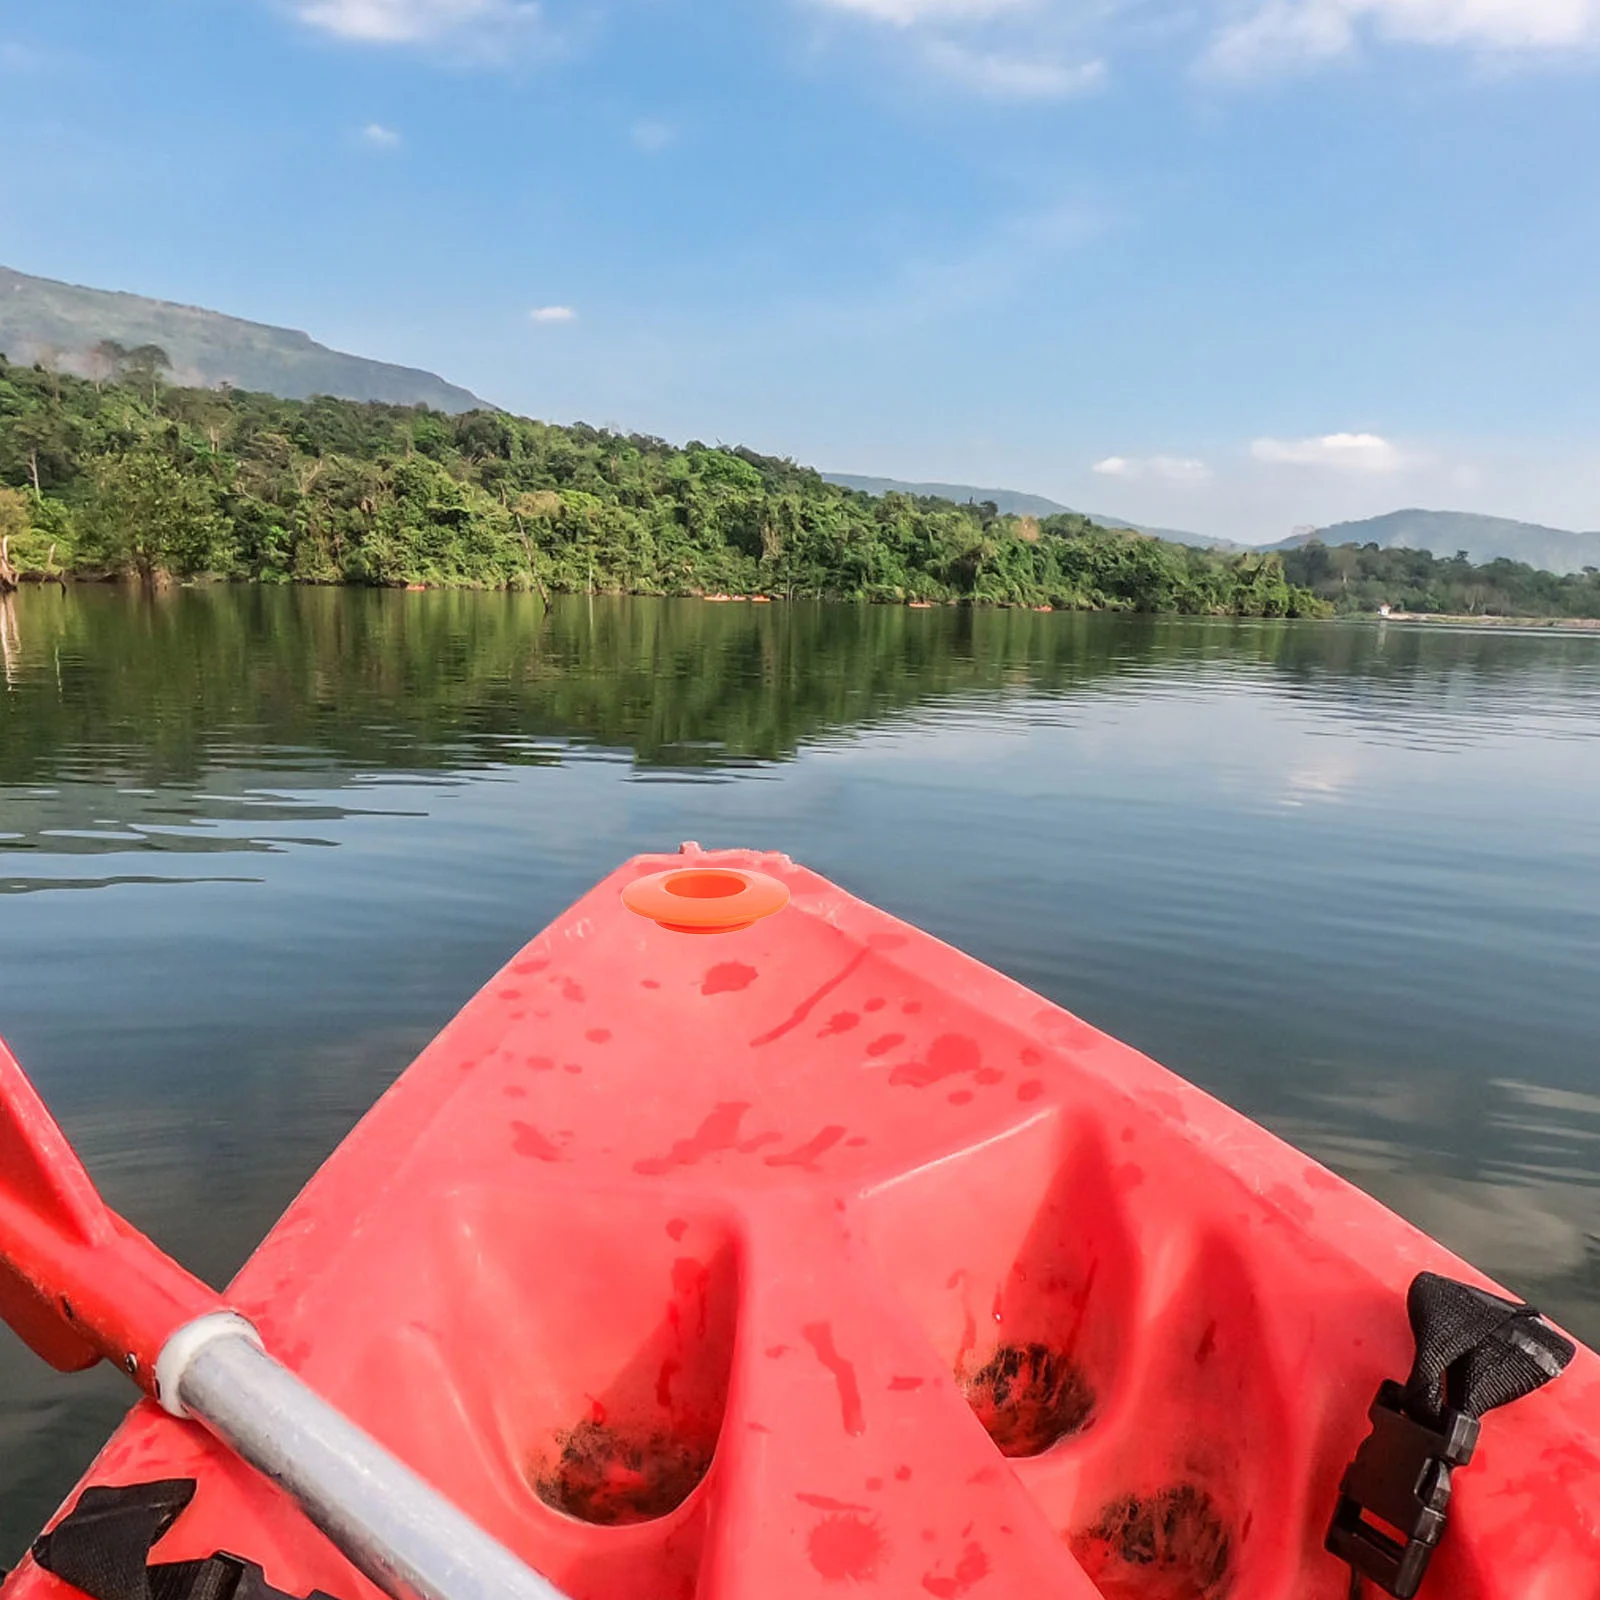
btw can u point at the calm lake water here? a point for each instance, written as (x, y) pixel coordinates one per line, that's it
(257, 846)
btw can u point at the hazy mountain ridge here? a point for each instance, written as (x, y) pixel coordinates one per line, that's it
(1483, 538)
(61, 323)
(1012, 502)
(1442, 533)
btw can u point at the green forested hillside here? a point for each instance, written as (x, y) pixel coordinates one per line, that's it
(66, 326)
(130, 477)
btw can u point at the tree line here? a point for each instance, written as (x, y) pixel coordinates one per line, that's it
(1355, 578)
(124, 475)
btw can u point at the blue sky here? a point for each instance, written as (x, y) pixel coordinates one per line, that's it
(1228, 265)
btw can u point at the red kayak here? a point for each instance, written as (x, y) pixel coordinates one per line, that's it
(740, 1242)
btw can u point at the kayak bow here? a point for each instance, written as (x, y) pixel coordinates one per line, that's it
(806, 1255)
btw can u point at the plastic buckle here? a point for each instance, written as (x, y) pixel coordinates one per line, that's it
(1395, 1495)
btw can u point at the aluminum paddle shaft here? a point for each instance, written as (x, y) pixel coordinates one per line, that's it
(397, 1529)
(81, 1285)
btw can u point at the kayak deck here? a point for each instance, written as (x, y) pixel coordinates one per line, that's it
(817, 1256)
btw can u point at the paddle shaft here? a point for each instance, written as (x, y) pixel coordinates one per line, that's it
(80, 1284)
(390, 1524)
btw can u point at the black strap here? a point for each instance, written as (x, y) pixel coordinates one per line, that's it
(218, 1577)
(102, 1547)
(1475, 1351)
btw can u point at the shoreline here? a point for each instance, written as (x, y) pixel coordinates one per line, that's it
(1468, 620)
(67, 580)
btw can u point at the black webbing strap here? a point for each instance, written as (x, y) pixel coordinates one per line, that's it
(102, 1547)
(1475, 1351)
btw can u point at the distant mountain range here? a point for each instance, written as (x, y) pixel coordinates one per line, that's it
(60, 323)
(1441, 532)
(1483, 538)
(1009, 502)
(42, 320)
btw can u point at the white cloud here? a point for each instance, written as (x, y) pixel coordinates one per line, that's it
(1014, 77)
(1283, 32)
(1173, 469)
(1349, 452)
(481, 28)
(1019, 50)
(380, 137)
(554, 314)
(1014, 47)
(1501, 24)
(907, 13)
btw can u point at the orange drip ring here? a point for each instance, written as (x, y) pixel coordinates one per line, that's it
(705, 899)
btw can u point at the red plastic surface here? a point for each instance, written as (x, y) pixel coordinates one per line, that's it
(816, 1260)
(75, 1281)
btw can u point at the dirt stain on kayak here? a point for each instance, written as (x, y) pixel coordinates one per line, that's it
(526, 1140)
(728, 977)
(1168, 1546)
(719, 1131)
(1028, 1397)
(845, 1548)
(611, 1477)
(805, 1157)
(819, 1335)
(949, 1055)
(811, 1002)
(973, 1567)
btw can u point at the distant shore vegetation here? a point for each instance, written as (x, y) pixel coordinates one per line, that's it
(124, 476)
(1363, 578)
(127, 477)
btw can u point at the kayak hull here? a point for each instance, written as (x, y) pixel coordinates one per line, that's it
(816, 1255)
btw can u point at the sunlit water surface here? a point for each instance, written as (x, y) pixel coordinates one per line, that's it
(257, 846)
